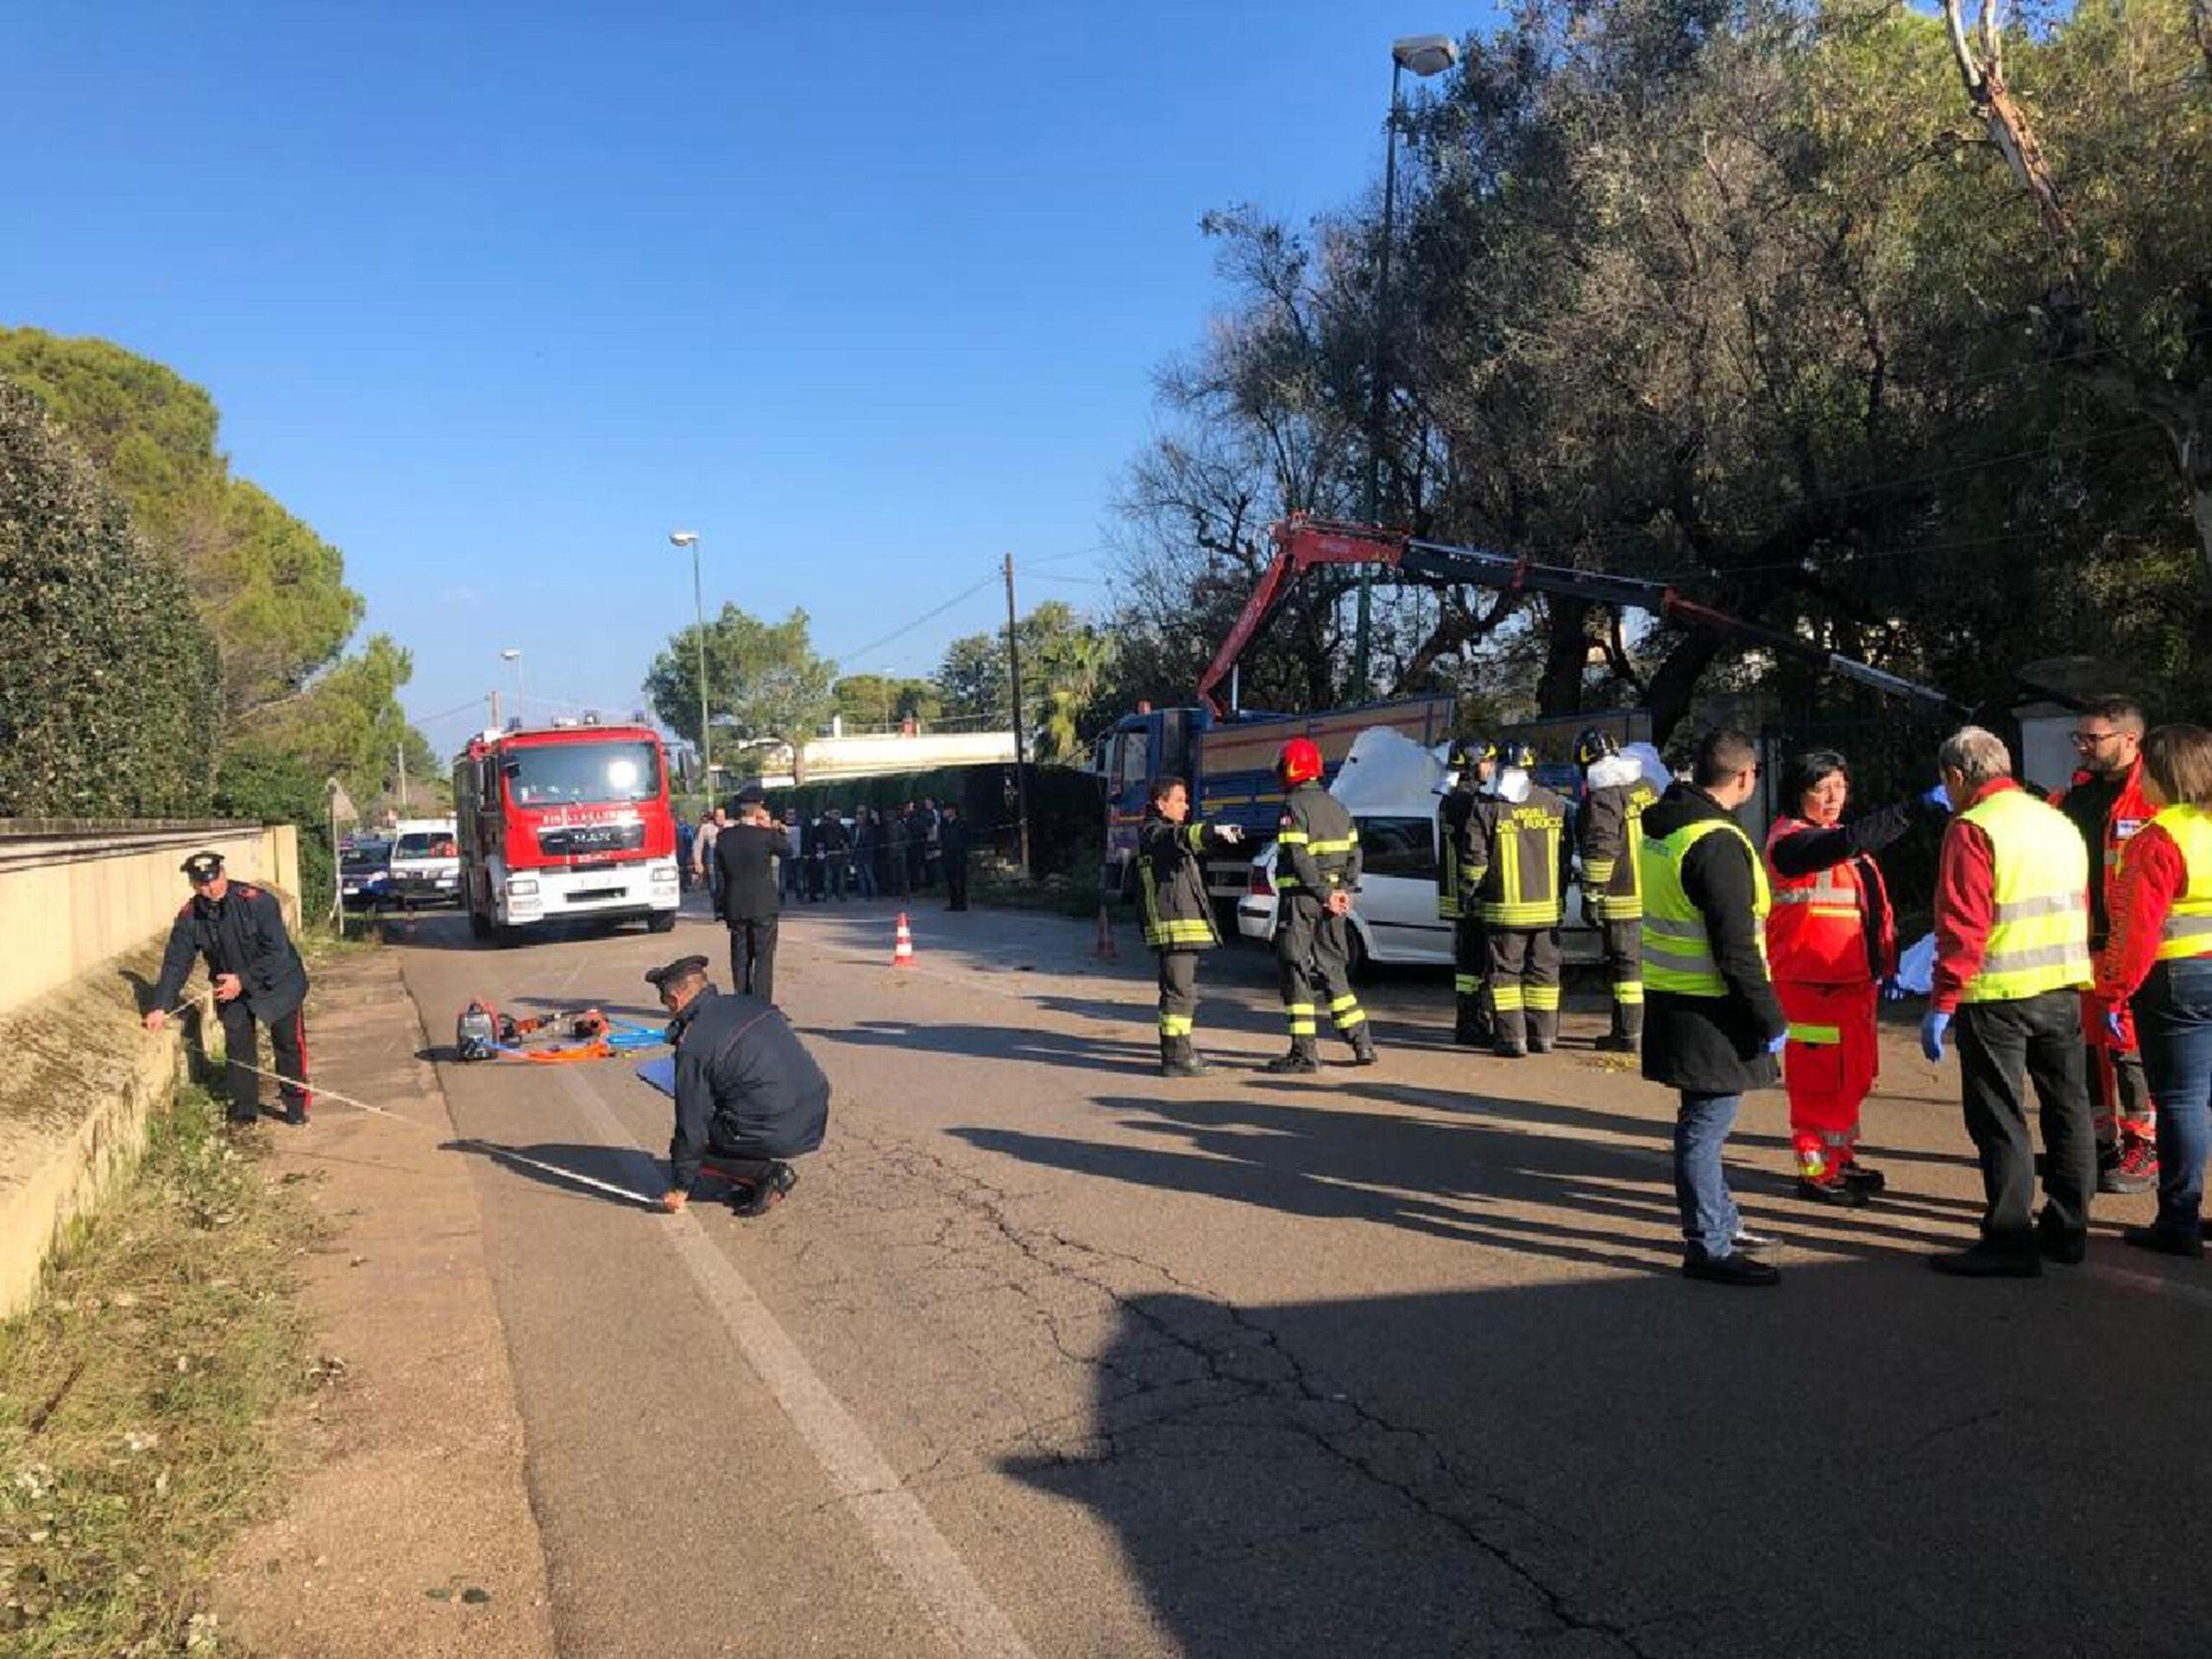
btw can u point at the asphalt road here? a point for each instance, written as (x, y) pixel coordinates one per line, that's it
(1047, 1355)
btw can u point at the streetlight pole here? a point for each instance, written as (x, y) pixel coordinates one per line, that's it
(690, 539)
(514, 654)
(1425, 55)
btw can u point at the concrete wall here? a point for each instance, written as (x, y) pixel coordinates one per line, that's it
(85, 909)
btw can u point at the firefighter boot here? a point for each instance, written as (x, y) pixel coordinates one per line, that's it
(1543, 1030)
(1512, 1034)
(1362, 1038)
(1178, 1058)
(1627, 1035)
(1469, 1029)
(1304, 1057)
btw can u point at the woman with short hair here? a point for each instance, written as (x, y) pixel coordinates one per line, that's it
(2158, 962)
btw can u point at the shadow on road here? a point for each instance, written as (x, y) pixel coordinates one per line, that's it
(620, 1175)
(1864, 1460)
(1055, 1048)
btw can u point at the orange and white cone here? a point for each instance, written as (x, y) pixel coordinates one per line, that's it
(902, 953)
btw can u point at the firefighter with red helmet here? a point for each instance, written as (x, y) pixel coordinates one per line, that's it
(2105, 802)
(1317, 872)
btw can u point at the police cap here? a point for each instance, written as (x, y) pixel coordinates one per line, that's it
(750, 795)
(676, 972)
(203, 867)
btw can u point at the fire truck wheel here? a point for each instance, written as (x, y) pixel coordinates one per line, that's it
(480, 925)
(661, 921)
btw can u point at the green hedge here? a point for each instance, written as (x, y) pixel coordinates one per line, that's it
(257, 782)
(108, 683)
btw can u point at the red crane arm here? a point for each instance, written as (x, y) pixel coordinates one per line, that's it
(1301, 544)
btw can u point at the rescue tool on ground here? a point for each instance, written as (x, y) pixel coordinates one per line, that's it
(482, 1033)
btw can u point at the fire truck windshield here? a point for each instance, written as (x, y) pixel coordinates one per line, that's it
(579, 774)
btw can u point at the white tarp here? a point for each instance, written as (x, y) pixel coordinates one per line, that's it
(1387, 771)
(1654, 768)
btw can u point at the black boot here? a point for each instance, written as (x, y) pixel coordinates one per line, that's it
(1627, 1035)
(1512, 1034)
(1363, 1044)
(1178, 1059)
(1301, 1059)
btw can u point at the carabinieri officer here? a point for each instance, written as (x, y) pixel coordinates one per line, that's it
(238, 930)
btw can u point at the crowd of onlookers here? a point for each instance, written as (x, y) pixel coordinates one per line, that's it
(869, 852)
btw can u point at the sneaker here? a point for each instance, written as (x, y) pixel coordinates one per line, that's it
(1294, 1061)
(771, 1192)
(1983, 1261)
(2136, 1170)
(1869, 1181)
(1838, 1192)
(2165, 1241)
(1734, 1268)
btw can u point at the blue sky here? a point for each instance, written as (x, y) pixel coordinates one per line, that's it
(496, 294)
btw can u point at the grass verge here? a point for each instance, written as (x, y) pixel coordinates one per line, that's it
(140, 1399)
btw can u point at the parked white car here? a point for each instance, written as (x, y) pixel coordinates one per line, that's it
(1389, 783)
(426, 862)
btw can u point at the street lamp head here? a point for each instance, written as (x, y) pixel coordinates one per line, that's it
(1425, 54)
(684, 538)
(511, 654)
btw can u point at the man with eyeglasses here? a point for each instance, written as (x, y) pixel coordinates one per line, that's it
(2106, 803)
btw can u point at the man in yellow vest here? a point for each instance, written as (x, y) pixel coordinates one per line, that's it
(1712, 1024)
(2011, 956)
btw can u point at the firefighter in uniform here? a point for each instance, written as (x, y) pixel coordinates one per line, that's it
(1177, 915)
(1317, 872)
(1516, 869)
(2105, 802)
(1472, 764)
(238, 930)
(1611, 823)
(1831, 939)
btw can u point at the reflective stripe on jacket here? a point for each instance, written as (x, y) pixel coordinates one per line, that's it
(1612, 824)
(1451, 890)
(1172, 884)
(1677, 947)
(1515, 863)
(1317, 843)
(1817, 933)
(2039, 935)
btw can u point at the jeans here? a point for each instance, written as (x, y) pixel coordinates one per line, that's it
(1710, 1219)
(2041, 1037)
(864, 876)
(2173, 1021)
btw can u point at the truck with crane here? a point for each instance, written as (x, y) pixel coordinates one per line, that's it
(1227, 755)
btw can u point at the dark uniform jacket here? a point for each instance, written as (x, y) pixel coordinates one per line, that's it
(1452, 897)
(1317, 847)
(745, 853)
(1513, 859)
(242, 933)
(952, 840)
(1172, 882)
(1708, 1045)
(745, 1085)
(1609, 827)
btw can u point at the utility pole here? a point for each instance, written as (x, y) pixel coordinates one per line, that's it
(1021, 744)
(400, 750)
(495, 711)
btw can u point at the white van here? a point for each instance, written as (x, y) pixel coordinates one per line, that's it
(1389, 783)
(426, 862)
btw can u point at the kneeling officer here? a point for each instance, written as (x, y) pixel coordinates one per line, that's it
(748, 1096)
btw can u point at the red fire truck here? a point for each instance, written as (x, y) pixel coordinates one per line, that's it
(570, 819)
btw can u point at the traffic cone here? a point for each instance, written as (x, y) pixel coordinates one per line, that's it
(902, 952)
(1105, 946)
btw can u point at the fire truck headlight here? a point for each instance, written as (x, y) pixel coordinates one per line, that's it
(665, 875)
(522, 886)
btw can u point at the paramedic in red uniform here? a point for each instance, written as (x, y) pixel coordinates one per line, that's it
(1831, 940)
(2106, 803)
(257, 975)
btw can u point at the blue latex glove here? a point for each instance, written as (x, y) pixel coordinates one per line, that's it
(1939, 798)
(1893, 992)
(2116, 1025)
(1933, 1024)
(1775, 1047)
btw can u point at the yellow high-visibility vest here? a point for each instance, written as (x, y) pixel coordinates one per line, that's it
(1677, 948)
(2039, 939)
(2188, 932)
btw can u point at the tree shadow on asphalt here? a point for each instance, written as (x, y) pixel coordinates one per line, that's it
(1468, 1181)
(1864, 1460)
(581, 1171)
(1031, 1044)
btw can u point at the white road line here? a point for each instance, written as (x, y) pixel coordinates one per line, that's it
(904, 1536)
(2152, 1282)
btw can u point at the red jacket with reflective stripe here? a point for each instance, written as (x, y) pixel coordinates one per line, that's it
(1818, 931)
